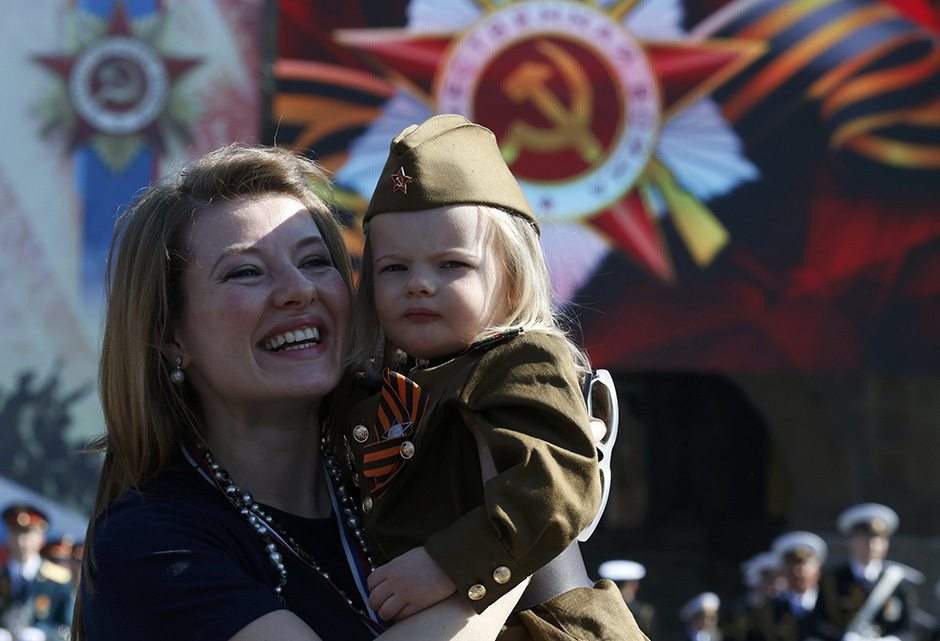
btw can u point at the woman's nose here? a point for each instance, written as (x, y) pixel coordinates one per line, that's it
(294, 289)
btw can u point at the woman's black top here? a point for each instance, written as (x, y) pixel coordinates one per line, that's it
(174, 560)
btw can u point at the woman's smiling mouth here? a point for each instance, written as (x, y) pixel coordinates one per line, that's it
(300, 338)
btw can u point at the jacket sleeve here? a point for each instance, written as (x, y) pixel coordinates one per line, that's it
(525, 402)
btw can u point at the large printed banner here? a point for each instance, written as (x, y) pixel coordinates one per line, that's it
(742, 186)
(100, 97)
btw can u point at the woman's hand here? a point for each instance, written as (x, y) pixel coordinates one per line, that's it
(407, 584)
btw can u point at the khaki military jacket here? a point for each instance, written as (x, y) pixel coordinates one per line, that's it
(420, 484)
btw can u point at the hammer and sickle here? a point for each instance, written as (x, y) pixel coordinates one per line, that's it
(121, 83)
(528, 82)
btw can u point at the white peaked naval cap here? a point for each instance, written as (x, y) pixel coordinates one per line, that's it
(620, 570)
(702, 603)
(880, 519)
(800, 541)
(756, 565)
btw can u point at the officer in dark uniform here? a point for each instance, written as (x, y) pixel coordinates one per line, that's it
(764, 582)
(794, 614)
(627, 576)
(35, 594)
(847, 587)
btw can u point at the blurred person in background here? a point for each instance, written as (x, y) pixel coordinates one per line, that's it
(793, 614)
(699, 617)
(35, 594)
(75, 562)
(763, 583)
(848, 586)
(627, 575)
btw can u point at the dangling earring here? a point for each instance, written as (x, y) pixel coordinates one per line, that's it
(176, 375)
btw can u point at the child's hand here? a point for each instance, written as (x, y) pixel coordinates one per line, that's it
(407, 584)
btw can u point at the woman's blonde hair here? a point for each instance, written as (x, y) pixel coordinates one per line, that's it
(146, 416)
(524, 284)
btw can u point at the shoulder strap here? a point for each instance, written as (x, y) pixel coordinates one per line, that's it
(600, 396)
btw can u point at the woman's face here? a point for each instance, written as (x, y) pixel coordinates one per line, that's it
(266, 312)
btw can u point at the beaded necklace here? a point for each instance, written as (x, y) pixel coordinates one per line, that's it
(273, 534)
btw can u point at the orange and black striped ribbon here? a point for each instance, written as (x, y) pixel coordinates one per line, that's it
(872, 73)
(401, 402)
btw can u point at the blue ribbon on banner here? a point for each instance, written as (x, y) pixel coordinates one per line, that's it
(104, 192)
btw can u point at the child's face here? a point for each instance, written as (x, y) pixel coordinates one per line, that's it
(435, 286)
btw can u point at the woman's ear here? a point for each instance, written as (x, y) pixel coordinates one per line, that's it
(174, 353)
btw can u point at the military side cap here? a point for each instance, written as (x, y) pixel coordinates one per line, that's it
(23, 516)
(870, 518)
(800, 545)
(621, 570)
(705, 602)
(446, 160)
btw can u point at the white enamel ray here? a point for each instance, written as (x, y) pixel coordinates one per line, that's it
(442, 15)
(703, 152)
(368, 153)
(720, 19)
(656, 20)
(572, 253)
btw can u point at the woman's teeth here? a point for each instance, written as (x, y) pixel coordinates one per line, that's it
(292, 340)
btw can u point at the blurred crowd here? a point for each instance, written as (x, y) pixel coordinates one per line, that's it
(791, 593)
(38, 578)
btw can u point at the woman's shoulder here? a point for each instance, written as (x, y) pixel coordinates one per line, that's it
(171, 508)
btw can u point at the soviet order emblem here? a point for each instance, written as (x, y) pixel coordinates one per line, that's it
(401, 180)
(119, 85)
(577, 109)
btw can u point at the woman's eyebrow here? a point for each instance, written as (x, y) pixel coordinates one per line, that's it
(231, 250)
(310, 240)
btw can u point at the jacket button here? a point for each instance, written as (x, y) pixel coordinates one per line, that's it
(407, 450)
(502, 574)
(476, 592)
(361, 433)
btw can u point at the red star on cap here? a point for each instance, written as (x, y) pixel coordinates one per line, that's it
(400, 180)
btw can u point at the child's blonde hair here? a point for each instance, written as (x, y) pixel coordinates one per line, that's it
(524, 281)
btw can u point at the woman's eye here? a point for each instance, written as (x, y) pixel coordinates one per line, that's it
(316, 261)
(243, 272)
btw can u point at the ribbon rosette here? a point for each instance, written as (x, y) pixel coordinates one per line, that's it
(402, 403)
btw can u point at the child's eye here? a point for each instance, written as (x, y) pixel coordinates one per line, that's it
(454, 264)
(245, 271)
(393, 267)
